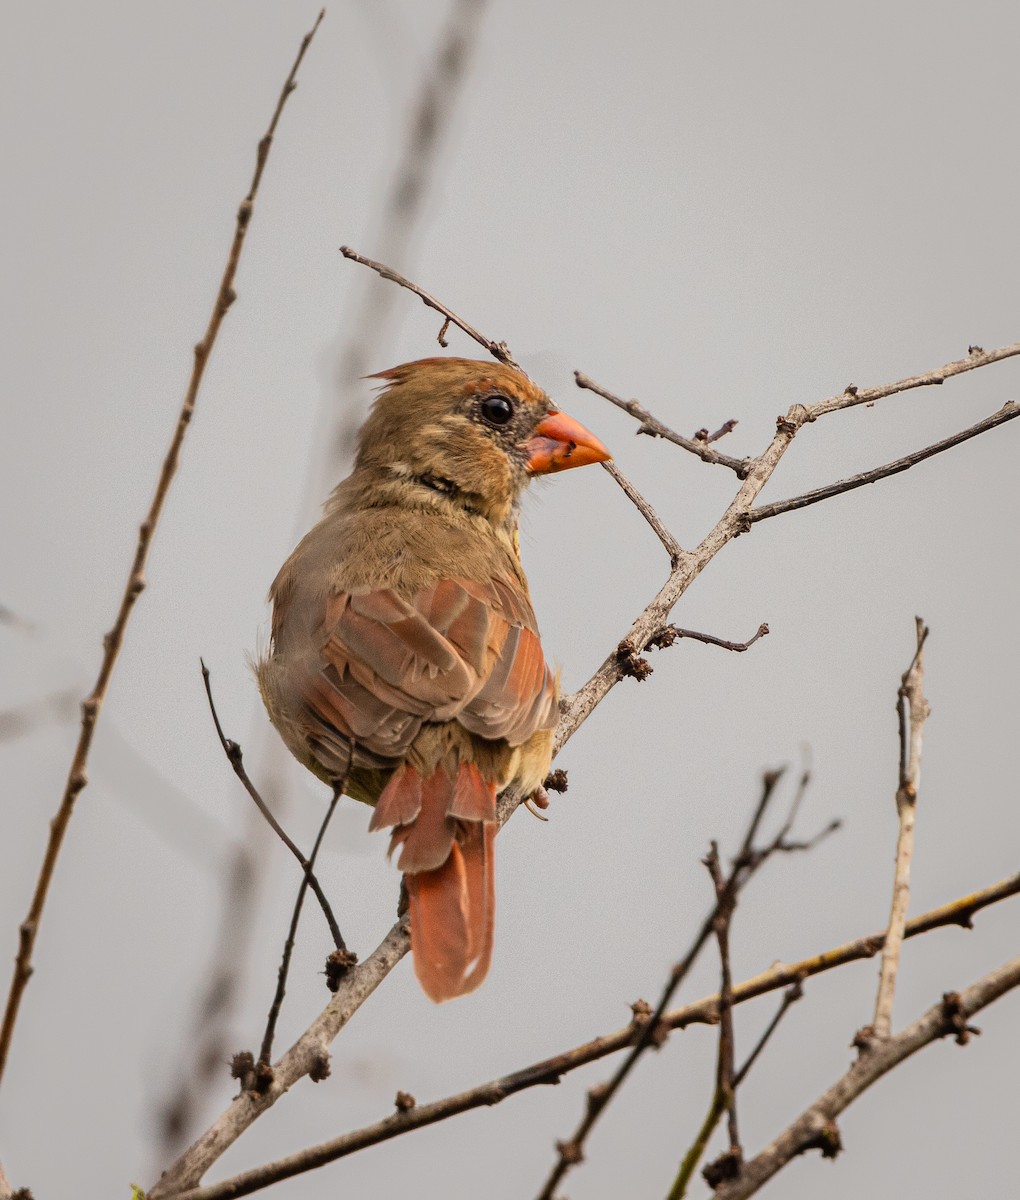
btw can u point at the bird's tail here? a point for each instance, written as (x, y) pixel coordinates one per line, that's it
(445, 827)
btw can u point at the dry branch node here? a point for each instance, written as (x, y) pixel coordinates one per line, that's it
(320, 1068)
(631, 663)
(726, 1166)
(556, 781)
(338, 963)
(956, 1019)
(827, 1140)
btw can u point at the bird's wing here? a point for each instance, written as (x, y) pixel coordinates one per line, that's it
(458, 650)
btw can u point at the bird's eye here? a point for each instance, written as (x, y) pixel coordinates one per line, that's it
(497, 410)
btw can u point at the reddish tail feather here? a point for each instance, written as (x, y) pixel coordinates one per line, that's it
(445, 828)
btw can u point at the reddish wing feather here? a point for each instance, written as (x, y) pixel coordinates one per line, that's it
(460, 649)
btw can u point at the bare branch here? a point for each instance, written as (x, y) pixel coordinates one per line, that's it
(670, 543)
(236, 758)
(654, 428)
(702, 435)
(816, 1127)
(551, 1070)
(112, 642)
(912, 711)
(725, 1083)
(716, 1108)
(266, 1053)
(745, 864)
(673, 633)
(763, 512)
(498, 350)
(852, 396)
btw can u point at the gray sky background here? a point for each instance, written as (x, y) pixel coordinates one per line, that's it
(718, 209)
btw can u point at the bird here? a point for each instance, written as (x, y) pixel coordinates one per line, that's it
(404, 665)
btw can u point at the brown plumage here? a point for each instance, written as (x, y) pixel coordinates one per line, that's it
(405, 664)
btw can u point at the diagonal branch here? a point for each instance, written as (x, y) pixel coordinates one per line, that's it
(816, 1127)
(112, 642)
(655, 428)
(551, 1070)
(498, 350)
(716, 1108)
(672, 546)
(763, 512)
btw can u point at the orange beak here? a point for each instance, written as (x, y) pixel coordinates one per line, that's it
(559, 443)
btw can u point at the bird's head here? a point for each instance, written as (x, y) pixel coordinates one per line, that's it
(475, 431)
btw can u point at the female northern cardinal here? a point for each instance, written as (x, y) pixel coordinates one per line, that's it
(405, 665)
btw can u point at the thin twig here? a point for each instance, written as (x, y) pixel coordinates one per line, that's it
(763, 512)
(790, 997)
(694, 1155)
(112, 642)
(655, 428)
(236, 758)
(498, 350)
(852, 395)
(672, 546)
(912, 711)
(266, 1053)
(726, 1064)
(816, 1127)
(673, 633)
(702, 435)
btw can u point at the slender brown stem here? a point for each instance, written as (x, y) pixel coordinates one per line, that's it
(717, 1107)
(672, 546)
(655, 428)
(673, 633)
(236, 758)
(266, 1053)
(763, 512)
(498, 350)
(112, 642)
(726, 1064)
(912, 711)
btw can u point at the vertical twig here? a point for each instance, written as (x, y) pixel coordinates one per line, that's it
(265, 1055)
(112, 642)
(715, 1109)
(912, 712)
(728, 1166)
